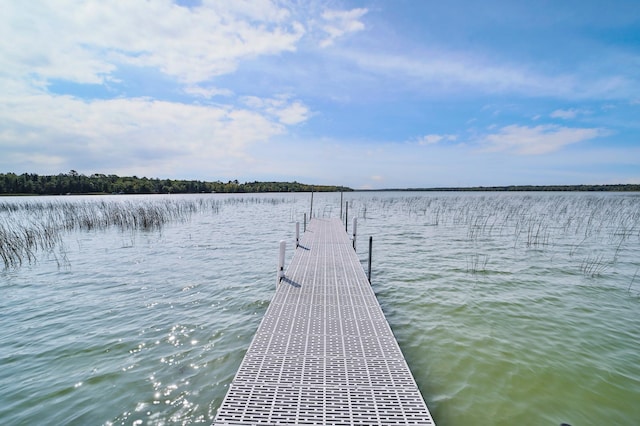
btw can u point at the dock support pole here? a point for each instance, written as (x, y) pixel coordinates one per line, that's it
(311, 208)
(354, 230)
(370, 251)
(305, 223)
(297, 234)
(346, 216)
(283, 245)
(340, 205)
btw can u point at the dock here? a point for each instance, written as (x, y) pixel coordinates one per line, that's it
(324, 353)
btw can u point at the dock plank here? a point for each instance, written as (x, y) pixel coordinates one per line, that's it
(324, 352)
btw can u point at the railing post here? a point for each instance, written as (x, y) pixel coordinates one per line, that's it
(297, 234)
(370, 251)
(354, 230)
(283, 245)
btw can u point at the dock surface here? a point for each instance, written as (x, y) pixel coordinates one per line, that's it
(324, 353)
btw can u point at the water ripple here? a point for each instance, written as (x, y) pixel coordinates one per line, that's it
(509, 308)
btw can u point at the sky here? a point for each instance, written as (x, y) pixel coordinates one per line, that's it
(366, 94)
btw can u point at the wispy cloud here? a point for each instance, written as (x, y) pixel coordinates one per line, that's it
(207, 92)
(337, 23)
(537, 140)
(445, 72)
(434, 139)
(438, 71)
(567, 114)
(284, 109)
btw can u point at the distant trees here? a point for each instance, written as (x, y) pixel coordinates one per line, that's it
(537, 188)
(75, 183)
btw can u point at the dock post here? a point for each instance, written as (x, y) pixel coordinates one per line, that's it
(354, 227)
(370, 251)
(283, 245)
(346, 216)
(305, 223)
(297, 234)
(340, 205)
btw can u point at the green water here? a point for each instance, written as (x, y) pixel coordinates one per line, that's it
(510, 308)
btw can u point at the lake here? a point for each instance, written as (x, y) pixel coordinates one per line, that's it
(510, 308)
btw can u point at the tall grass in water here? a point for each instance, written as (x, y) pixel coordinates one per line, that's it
(33, 226)
(590, 233)
(20, 242)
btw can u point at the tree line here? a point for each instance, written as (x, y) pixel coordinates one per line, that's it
(537, 188)
(76, 183)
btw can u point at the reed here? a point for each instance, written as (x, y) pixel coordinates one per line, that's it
(592, 233)
(29, 227)
(632, 280)
(477, 263)
(593, 266)
(20, 243)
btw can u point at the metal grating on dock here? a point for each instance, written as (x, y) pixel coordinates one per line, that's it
(324, 353)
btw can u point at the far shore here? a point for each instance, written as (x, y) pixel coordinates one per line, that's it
(511, 188)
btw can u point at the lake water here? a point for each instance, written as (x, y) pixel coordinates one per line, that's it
(510, 309)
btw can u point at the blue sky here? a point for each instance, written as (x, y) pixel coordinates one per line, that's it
(367, 94)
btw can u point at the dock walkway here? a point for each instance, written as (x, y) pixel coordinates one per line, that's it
(324, 353)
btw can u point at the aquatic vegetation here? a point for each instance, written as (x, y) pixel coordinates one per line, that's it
(19, 243)
(593, 266)
(477, 263)
(590, 231)
(28, 227)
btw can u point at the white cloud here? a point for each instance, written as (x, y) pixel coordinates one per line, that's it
(567, 114)
(536, 140)
(129, 134)
(337, 23)
(293, 113)
(207, 92)
(434, 139)
(286, 111)
(564, 114)
(90, 41)
(254, 10)
(86, 41)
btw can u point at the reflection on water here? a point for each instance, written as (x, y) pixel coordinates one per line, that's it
(510, 308)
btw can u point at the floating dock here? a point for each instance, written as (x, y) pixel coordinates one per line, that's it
(324, 353)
